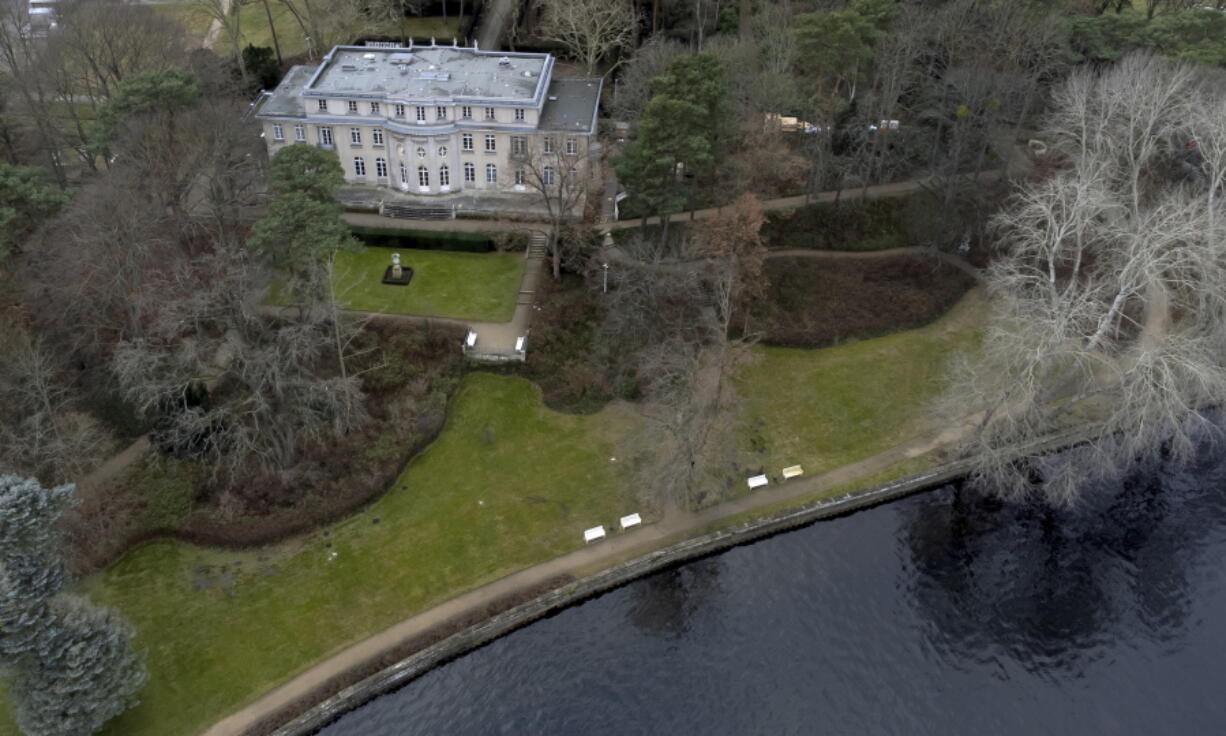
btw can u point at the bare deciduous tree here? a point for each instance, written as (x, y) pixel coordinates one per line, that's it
(561, 182)
(1108, 302)
(590, 29)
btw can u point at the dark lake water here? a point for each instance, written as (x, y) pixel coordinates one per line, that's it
(941, 614)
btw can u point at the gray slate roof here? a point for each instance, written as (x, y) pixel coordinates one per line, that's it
(570, 105)
(286, 99)
(429, 72)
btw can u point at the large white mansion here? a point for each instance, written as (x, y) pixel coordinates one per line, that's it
(433, 120)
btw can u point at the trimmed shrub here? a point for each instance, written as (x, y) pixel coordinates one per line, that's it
(386, 237)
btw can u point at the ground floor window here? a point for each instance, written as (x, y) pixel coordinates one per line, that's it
(491, 174)
(519, 177)
(300, 134)
(325, 136)
(547, 176)
(423, 176)
(381, 168)
(359, 166)
(444, 176)
(278, 133)
(470, 173)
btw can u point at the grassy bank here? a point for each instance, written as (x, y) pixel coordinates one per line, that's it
(222, 627)
(827, 408)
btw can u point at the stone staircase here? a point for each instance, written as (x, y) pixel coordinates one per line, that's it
(538, 246)
(416, 212)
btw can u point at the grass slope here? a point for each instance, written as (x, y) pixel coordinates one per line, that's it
(222, 627)
(826, 408)
(467, 286)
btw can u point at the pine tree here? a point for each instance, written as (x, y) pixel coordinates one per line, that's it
(71, 664)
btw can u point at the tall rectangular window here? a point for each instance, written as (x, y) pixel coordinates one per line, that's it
(355, 136)
(489, 113)
(376, 136)
(519, 177)
(423, 177)
(470, 172)
(374, 108)
(323, 105)
(325, 136)
(300, 133)
(548, 144)
(353, 106)
(399, 110)
(444, 176)
(440, 113)
(421, 114)
(547, 176)
(466, 112)
(572, 146)
(381, 168)
(359, 166)
(519, 145)
(491, 144)
(278, 133)
(466, 142)
(491, 174)
(519, 115)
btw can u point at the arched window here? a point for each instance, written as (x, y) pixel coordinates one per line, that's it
(423, 176)
(491, 174)
(404, 175)
(547, 176)
(444, 176)
(470, 172)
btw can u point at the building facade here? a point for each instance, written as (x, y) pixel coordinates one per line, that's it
(432, 121)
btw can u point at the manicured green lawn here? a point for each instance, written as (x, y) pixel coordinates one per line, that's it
(508, 483)
(194, 19)
(468, 286)
(826, 408)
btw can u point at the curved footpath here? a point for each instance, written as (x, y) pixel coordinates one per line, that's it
(638, 543)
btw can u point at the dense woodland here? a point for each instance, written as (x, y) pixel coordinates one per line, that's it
(1074, 149)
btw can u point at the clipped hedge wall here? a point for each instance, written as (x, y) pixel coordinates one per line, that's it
(387, 237)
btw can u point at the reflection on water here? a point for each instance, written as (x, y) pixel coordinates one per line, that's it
(946, 613)
(1050, 588)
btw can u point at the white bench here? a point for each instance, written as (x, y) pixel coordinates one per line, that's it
(519, 343)
(792, 471)
(470, 339)
(593, 534)
(757, 481)
(631, 520)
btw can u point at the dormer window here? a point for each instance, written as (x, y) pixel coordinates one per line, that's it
(466, 112)
(323, 105)
(399, 109)
(489, 113)
(374, 108)
(519, 115)
(421, 114)
(353, 106)
(440, 113)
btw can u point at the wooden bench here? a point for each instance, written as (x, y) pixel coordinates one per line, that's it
(757, 481)
(593, 534)
(792, 471)
(631, 520)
